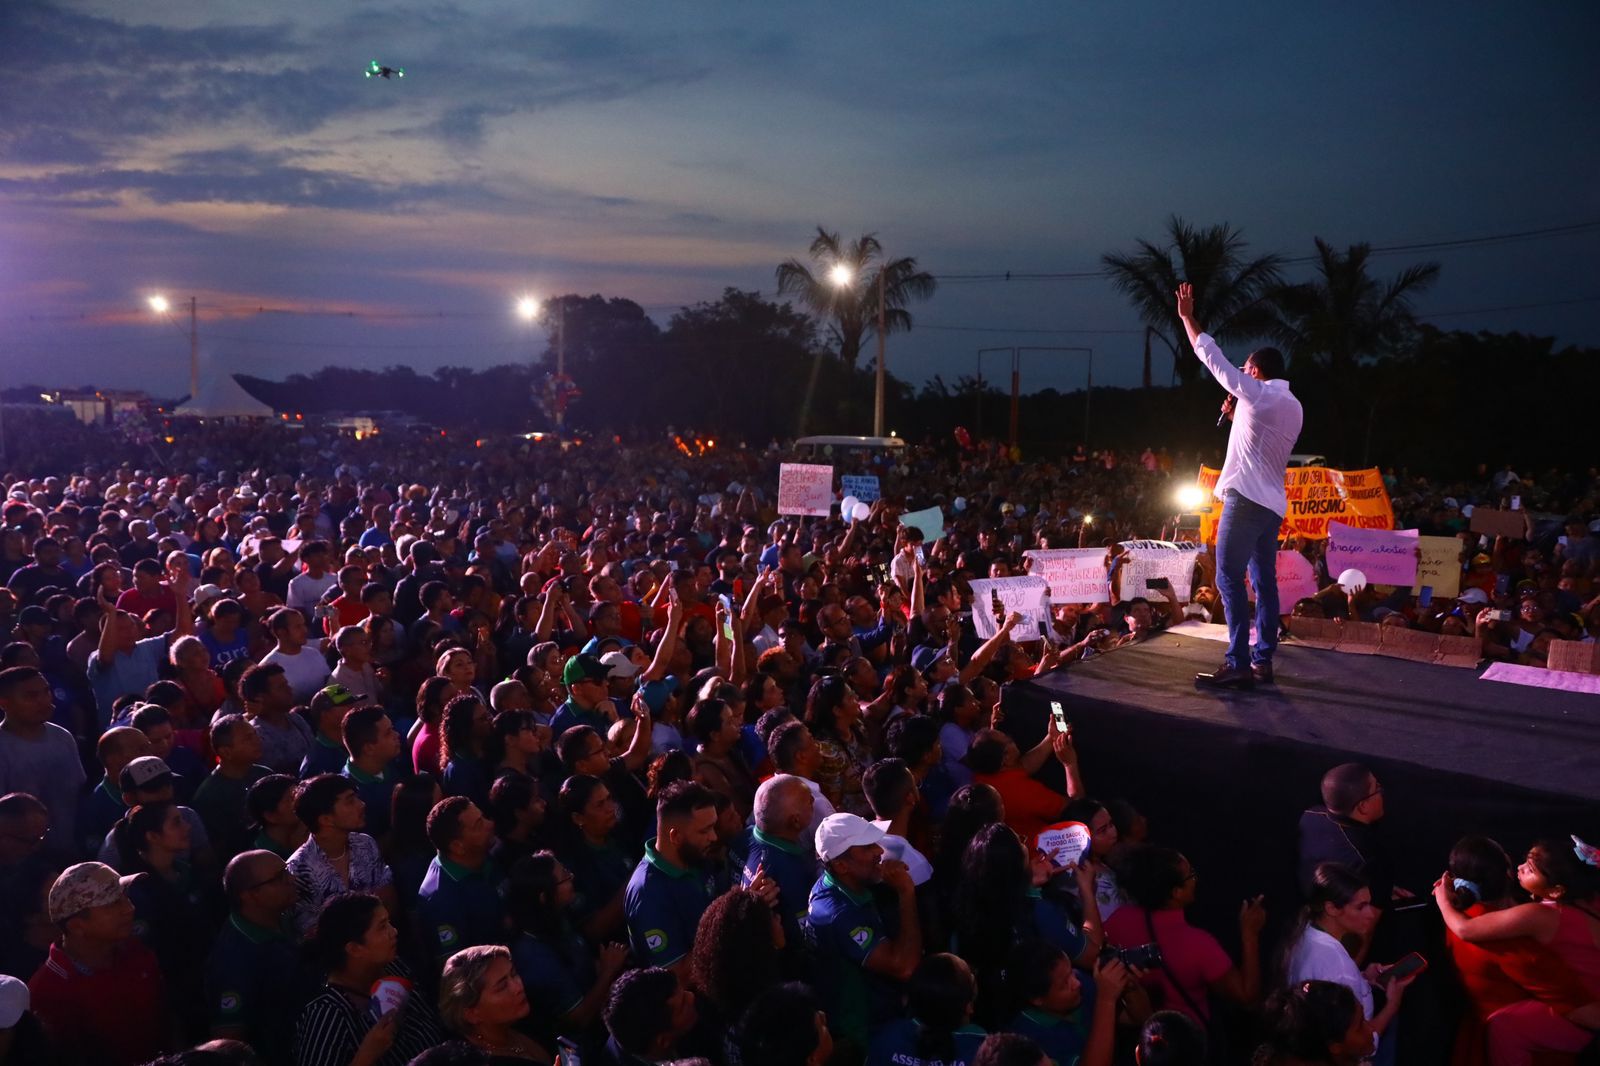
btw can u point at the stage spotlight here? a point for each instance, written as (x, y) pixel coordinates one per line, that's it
(1190, 498)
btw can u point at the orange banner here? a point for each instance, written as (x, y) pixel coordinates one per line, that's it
(1317, 495)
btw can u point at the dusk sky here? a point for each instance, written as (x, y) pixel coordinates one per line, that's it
(665, 151)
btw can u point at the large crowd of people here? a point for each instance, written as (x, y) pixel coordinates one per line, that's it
(414, 749)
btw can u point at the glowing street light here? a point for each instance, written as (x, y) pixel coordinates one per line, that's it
(1190, 497)
(841, 275)
(528, 308)
(161, 305)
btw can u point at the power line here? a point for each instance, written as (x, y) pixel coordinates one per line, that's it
(1569, 229)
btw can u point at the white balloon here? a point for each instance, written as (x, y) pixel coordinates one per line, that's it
(860, 511)
(1352, 580)
(960, 503)
(847, 506)
(1021, 511)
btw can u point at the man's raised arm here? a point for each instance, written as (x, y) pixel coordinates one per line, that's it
(1228, 376)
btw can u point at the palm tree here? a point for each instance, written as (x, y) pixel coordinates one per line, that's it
(851, 307)
(1346, 315)
(1231, 293)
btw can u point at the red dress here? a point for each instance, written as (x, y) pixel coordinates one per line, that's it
(1500, 973)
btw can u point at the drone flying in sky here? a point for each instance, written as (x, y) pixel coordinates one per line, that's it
(376, 71)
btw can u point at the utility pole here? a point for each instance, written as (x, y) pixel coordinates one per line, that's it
(561, 366)
(877, 402)
(194, 351)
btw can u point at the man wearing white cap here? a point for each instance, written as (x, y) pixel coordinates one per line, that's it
(21, 1037)
(863, 959)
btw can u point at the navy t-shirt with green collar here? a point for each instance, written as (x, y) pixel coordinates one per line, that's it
(1062, 1037)
(843, 928)
(252, 983)
(323, 757)
(460, 908)
(664, 903)
(794, 868)
(895, 1044)
(375, 791)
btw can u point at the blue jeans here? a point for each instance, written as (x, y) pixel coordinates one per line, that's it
(1247, 540)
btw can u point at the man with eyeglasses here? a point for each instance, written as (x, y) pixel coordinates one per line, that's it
(1344, 830)
(251, 974)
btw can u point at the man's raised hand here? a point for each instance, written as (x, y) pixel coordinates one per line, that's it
(1185, 296)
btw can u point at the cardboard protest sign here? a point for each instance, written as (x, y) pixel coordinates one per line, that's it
(1321, 633)
(996, 597)
(1385, 556)
(1143, 560)
(1297, 580)
(1075, 575)
(1064, 843)
(1460, 651)
(805, 489)
(930, 520)
(1512, 524)
(1440, 566)
(1414, 644)
(1317, 495)
(1360, 638)
(863, 487)
(1574, 656)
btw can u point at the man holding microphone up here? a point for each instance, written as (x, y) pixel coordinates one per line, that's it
(1266, 423)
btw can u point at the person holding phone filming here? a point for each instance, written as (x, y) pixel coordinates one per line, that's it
(1266, 424)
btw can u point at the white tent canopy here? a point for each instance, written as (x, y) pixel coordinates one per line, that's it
(221, 396)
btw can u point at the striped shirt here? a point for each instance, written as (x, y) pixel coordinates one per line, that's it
(335, 1021)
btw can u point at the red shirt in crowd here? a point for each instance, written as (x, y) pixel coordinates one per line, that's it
(1030, 805)
(114, 1016)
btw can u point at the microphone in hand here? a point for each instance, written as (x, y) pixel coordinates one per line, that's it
(1227, 410)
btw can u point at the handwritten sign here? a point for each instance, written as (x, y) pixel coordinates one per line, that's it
(930, 520)
(863, 487)
(805, 489)
(1317, 496)
(1144, 560)
(1297, 580)
(1075, 575)
(1510, 524)
(1064, 843)
(1440, 566)
(995, 598)
(1386, 556)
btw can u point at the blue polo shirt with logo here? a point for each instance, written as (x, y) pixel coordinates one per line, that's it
(570, 714)
(252, 984)
(843, 928)
(459, 908)
(897, 1043)
(794, 868)
(664, 903)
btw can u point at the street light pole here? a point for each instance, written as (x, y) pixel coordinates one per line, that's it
(981, 353)
(194, 351)
(877, 402)
(1088, 391)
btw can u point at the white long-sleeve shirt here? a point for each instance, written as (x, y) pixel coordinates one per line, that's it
(1266, 423)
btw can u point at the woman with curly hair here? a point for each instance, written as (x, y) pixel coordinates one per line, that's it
(427, 733)
(833, 714)
(736, 954)
(463, 749)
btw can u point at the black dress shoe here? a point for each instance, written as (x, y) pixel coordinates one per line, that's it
(1228, 677)
(1262, 673)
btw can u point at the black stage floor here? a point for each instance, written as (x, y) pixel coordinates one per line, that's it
(1440, 718)
(1225, 777)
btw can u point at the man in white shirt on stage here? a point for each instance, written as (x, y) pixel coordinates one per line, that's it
(1266, 423)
